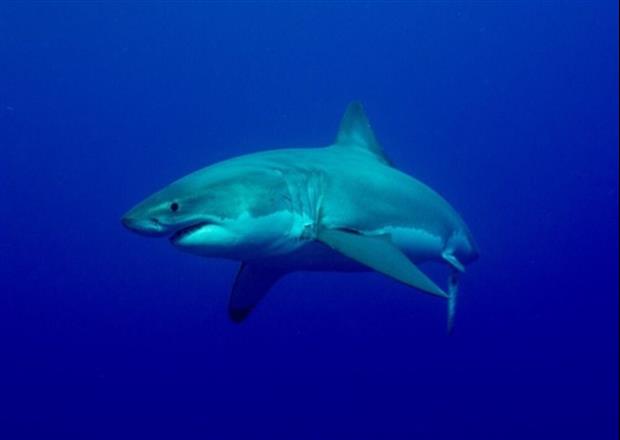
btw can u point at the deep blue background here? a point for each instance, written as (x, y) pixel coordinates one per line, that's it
(510, 110)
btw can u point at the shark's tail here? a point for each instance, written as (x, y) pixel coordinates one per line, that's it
(453, 290)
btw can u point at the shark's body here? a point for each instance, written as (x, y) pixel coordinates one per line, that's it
(340, 208)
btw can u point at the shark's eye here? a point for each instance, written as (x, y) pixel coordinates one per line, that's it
(174, 207)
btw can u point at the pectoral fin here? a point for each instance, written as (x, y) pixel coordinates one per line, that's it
(381, 255)
(251, 285)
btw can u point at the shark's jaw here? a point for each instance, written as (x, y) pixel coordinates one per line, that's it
(241, 238)
(207, 239)
(183, 235)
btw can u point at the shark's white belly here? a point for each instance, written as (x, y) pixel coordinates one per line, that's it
(297, 250)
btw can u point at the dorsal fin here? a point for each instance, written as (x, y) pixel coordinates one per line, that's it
(355, 132)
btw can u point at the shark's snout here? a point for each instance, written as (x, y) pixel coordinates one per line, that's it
(148, 227)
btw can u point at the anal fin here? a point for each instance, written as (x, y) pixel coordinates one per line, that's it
(381, 255)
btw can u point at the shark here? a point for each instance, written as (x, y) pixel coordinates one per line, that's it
(343, 207)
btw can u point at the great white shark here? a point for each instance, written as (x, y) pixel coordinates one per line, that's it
(344, 207)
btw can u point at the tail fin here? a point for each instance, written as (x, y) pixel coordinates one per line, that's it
(453, 290)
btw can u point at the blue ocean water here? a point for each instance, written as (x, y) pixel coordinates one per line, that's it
(508, 109)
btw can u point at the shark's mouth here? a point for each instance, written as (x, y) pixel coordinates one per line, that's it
(178, 235)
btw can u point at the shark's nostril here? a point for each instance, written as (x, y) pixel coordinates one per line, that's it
(147, 226)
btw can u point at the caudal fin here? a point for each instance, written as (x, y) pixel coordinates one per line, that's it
(453, 290)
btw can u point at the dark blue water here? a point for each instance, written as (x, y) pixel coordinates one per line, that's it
(509, 110)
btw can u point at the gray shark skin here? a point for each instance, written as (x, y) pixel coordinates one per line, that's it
(343, 207)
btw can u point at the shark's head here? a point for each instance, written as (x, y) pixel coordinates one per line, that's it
(224, 211)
